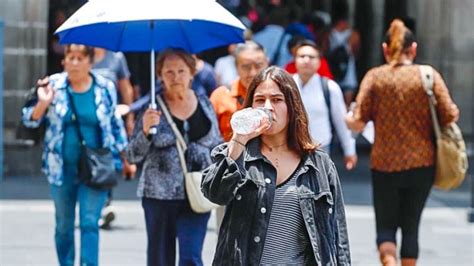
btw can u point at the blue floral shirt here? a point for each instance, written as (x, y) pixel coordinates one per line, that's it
(113, 132)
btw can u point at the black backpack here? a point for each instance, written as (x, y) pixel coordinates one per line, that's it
(338, 59)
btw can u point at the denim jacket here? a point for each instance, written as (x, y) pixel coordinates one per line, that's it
(247, 186)
(111, 127)
(161, 176)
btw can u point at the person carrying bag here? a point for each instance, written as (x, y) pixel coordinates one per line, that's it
(53, 108)
(192, 180)
(170, 219)
(405, 160)
(96, 167)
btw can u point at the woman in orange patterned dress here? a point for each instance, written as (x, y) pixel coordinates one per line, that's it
(403, 154)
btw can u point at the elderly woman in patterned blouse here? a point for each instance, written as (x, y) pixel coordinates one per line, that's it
(161, 186)
(99, 127)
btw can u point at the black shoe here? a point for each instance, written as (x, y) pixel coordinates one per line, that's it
(108, 216)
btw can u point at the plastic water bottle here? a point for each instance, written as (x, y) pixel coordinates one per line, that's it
(247, 120)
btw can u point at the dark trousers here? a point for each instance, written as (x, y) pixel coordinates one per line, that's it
(167, 220)
(399, 199)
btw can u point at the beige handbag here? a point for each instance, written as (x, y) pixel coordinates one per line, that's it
(451, 157)
(192, 180)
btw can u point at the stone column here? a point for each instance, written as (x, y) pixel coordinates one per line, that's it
(369, 17)
(446, 41)
(377, 32)
(25, 54)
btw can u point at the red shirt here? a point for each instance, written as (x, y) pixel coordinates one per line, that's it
(322, 71)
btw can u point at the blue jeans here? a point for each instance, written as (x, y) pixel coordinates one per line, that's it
(91, 202)
(167, 220)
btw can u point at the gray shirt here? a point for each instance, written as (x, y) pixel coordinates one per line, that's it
(113, 67)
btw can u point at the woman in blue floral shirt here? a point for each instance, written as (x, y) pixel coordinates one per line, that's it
(167, 212)
(95, 98)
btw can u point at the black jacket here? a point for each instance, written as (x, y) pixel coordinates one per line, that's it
(247, 186)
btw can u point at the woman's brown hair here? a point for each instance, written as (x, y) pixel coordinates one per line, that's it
(398, 39)
(86, 50)
(299, 138)
(185, 56)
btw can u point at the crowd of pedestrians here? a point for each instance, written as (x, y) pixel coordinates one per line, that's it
(280, 194)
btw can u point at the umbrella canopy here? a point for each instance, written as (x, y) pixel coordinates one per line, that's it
(152, 25)
(146, 25)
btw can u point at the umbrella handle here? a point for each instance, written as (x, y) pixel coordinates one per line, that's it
(153, 130)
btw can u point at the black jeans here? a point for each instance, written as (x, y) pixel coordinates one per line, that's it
(399, 199)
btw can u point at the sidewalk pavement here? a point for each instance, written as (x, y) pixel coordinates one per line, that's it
(27, 229)
(27, 224)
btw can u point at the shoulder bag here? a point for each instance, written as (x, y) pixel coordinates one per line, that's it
(451, 157)
(192, 180)
(96, 167)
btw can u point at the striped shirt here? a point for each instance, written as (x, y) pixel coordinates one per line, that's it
(287, 242)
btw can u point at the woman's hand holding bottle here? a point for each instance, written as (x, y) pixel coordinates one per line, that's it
(251, 123)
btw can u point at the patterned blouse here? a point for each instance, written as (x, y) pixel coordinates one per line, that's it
(394, 98)
(111, 127)
(161, 176)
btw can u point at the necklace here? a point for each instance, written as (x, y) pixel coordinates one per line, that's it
(276, 163)
(270, 148)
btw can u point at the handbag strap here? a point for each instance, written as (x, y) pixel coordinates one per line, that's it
(180, 143)
(75, 117)
(179, 136)
(427, 79)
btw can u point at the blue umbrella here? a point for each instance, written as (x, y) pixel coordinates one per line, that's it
(152, 25)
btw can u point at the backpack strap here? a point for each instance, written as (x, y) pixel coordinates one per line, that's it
(327, 97)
